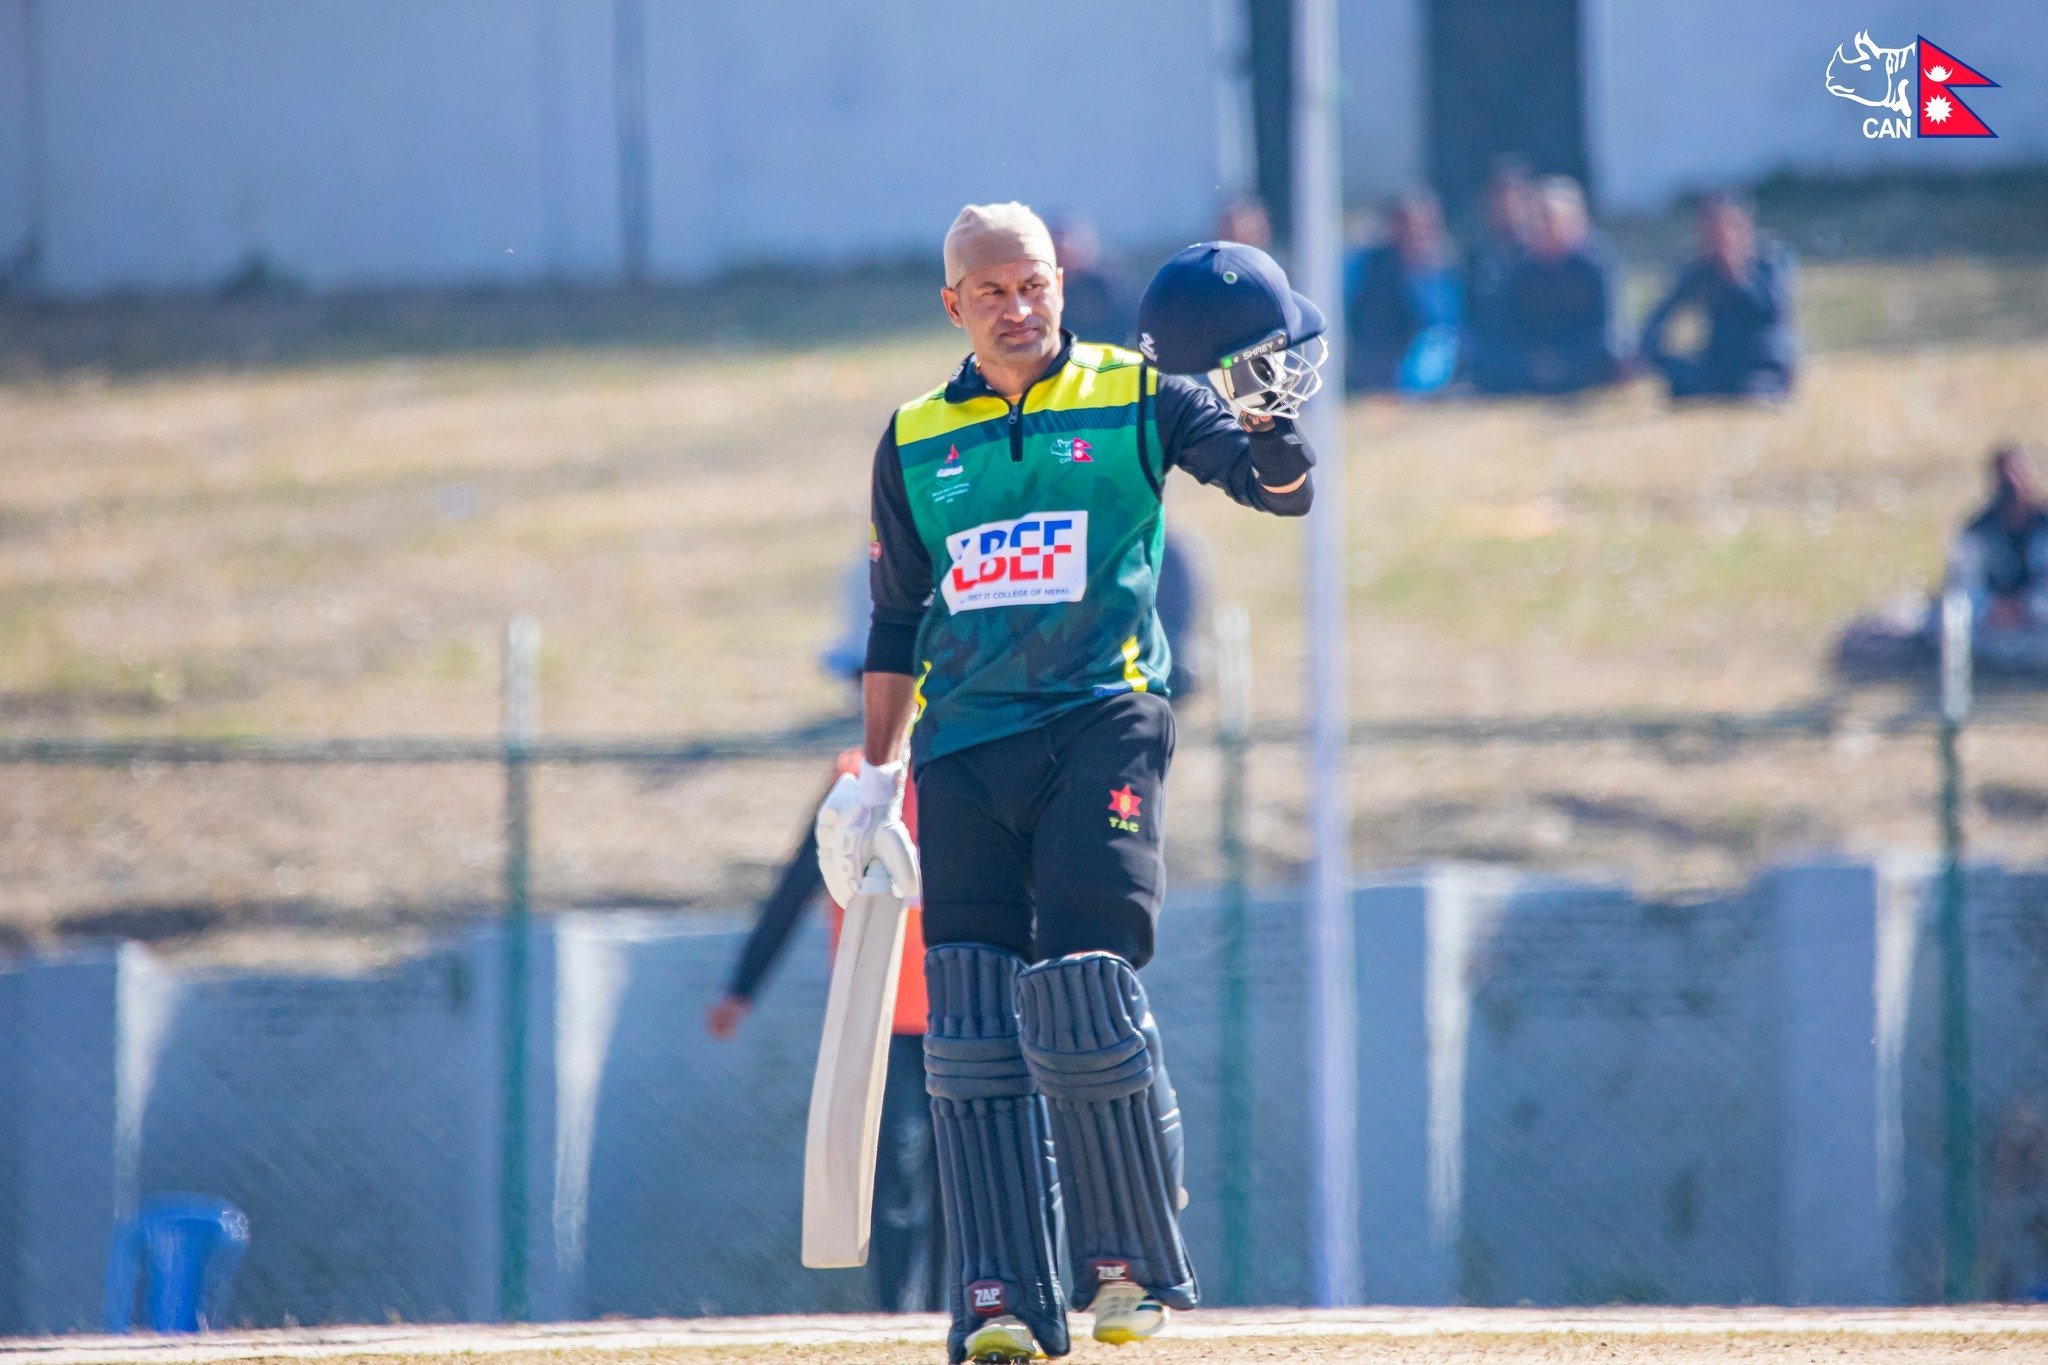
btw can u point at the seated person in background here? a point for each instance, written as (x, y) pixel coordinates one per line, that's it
(1402, 307)
(1244, 219)
(1742, 284)
(1101, 304)
(1497, 248)
(2001, 557)
(1559, 308)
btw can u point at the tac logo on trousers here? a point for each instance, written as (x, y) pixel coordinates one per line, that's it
(1123, 813)
(1915, 85)
(1038, 558)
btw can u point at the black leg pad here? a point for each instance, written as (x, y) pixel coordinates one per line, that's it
(997, 1177)
(1093, 1051)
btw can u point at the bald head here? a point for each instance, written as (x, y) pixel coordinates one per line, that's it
(986, 235)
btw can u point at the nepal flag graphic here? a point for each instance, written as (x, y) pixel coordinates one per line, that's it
(1939, 111)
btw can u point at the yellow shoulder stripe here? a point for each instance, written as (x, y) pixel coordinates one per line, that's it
(1089, 381)
(1094, 377)
(932, 416)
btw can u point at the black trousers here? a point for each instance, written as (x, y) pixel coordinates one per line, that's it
(1691, 378)
(1051, 842)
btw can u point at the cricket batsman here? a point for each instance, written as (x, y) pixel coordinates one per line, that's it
(1016, 546)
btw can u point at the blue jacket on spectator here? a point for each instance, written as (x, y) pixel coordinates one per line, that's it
(1750, 350)
(1402, 324)
(1488, 267)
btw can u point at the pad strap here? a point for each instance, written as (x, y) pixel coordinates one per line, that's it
(1093, 1051)
(997, 1178)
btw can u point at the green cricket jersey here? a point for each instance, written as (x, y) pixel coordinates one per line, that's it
(1023, 541)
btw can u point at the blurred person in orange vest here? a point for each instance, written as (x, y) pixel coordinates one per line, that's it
(904, 1256)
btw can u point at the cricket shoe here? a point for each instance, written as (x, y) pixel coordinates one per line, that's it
(1004, 1338)
(1125, 1313)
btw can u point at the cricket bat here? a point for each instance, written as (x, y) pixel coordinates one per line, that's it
(846, 1091)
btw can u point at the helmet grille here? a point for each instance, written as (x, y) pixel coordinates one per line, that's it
(1275, 384)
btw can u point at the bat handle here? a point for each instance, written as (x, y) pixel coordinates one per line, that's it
(875, 881)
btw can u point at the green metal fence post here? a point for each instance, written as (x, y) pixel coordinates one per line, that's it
(522, 649)
(1959, 1186)
(1234, 1064)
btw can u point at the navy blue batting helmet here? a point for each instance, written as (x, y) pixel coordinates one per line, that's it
(1225, 309)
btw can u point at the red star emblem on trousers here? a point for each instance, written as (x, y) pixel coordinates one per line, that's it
(1124, 802)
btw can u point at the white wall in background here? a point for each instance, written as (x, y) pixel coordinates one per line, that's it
(788, 130)
(1384, 83)
(1689, 96)
(338, 141)
(437, 142)
(375, 142)
(15, 229)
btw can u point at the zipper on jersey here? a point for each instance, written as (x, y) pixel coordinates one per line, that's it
(1016, 416)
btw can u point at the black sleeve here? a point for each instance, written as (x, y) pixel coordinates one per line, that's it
(1197, 433)
(899, 570)
(798, 884)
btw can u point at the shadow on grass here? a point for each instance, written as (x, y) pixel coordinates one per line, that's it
(281, 328)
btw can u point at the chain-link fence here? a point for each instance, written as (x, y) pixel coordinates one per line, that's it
(1575, 1088)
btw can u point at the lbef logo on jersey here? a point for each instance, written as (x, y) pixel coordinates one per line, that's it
(1038, 558)
(1915, 84)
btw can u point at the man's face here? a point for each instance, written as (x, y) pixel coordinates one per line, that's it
(1560, 228)
(1727, 236)
(1010, 312)
(1416, 230)
(1507, 206)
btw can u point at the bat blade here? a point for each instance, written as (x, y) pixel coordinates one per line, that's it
(845, 1122)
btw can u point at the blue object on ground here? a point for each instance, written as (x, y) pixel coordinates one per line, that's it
(183, 1250)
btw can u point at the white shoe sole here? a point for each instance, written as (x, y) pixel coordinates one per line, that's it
(1005, 1342)
(1121, 1328)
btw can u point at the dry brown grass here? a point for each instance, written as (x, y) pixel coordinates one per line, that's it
(329, 545)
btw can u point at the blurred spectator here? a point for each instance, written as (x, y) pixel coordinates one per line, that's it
(906, 1260)
(847, 655)
(1497, 248)
(1245, 220)
(1557, 335)
(1101, 304)
(1182, 605)
(1742, 285)
(906, 1236)
(2001, 557)
(1402, 305)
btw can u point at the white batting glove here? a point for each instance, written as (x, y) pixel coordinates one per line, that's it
(860, 824)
